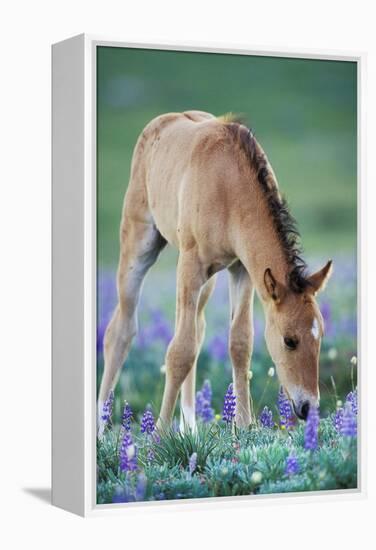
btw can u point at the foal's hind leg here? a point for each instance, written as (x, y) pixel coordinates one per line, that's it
(183, 349)
(241, 339)
(188, 389)
(141, 244)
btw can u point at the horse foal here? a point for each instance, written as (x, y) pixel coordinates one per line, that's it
(204, 185)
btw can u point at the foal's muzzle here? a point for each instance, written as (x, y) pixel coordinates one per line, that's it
(301, 410)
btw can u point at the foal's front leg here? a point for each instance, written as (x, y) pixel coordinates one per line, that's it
(241, 340)
(182, 351)
(188, 389)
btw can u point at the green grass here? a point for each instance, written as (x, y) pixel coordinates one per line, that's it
(229, 462)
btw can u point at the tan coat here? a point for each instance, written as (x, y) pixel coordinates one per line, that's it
(204, 185)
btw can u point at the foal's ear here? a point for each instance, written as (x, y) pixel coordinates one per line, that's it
(275, 289)
(319, 279)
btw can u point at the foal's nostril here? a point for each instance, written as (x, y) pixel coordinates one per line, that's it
(304, 410)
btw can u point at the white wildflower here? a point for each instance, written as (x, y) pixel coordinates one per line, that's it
(256, 477)
(332, 354)
(131, 451)
(271, 372)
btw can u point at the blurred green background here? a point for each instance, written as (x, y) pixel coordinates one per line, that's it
(303, 113)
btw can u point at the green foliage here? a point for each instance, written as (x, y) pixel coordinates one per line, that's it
(176, 447)
(229, 462)
(230, 478)
(175, 483)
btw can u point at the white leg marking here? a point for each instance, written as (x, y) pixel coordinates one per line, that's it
(187, 418)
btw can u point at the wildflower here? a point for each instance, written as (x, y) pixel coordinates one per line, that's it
(285, 410)
(292, 465)
(338, 419)
(147, 422)
(218, 347)
(150, 455)
(120, 495)
(126, 417)
(163, 369)
(160, 328)
(266, 418)
(140, 489)
(332, 354)
(127, 454)
(256, 477)
(107, 408)
(271, 372)
(207, 391)
(339, 404)
(354, 360)
(218, 417)
(349, 422)
(204, 410)
(250, 375)
(311, 429)
(229, 405)
(352, 399)
(192, 463)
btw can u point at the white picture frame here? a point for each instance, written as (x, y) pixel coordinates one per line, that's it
(74, 274)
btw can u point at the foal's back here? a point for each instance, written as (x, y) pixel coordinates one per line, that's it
(185, 163)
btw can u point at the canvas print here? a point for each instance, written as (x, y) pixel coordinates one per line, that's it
(226, 275)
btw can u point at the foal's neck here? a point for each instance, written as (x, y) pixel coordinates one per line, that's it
(260, 245)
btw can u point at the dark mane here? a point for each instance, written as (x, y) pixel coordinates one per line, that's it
(284, 222)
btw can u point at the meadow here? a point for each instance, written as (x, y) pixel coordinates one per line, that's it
(136, 462)
(304, 114)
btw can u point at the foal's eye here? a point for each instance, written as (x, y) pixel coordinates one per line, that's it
(290, 343)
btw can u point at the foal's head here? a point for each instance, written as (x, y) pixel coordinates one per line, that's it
(293, 332)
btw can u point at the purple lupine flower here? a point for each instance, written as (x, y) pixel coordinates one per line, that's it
(349, 422)
(217, 347)
(192, 463)
(207, 391)
(121, 495)
(200, 403)
(127, 454)
(126, 417)
(311, 429)
(285, 410)
(204, 410)
(352, 399)
(147, 422)
(326, 312)
(107, 298)
(338, 420)
(107, 407)
(292, 465)
(228, 414)
(159, 329)
(150, 455)
(140, 489)
(266, 418)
